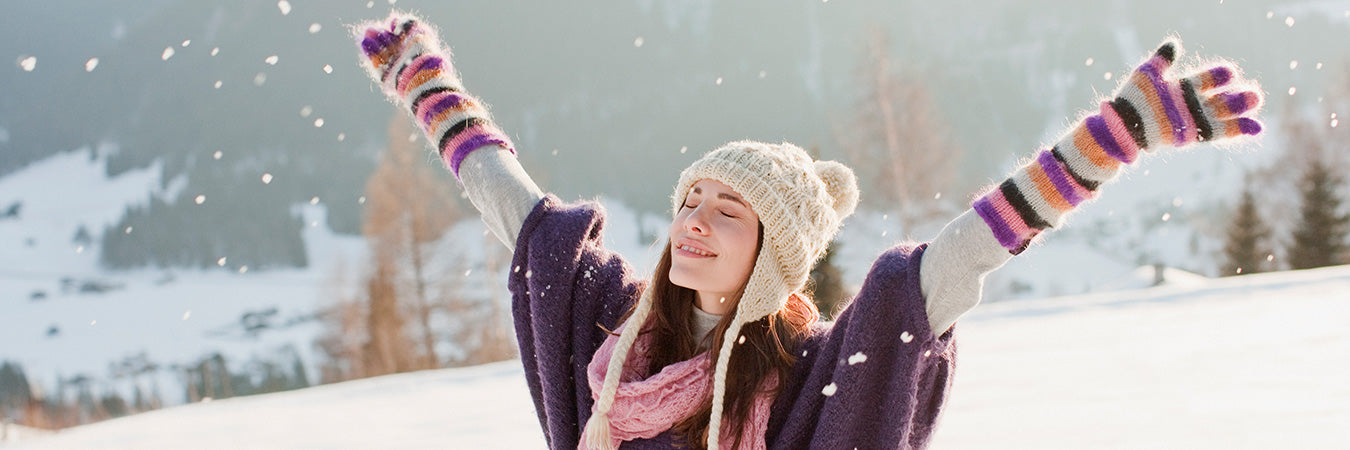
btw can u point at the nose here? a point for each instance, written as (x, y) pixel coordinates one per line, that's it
(694, 222)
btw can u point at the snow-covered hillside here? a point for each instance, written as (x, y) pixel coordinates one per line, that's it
(1252, 362)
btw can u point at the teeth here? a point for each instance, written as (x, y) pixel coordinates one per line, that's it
(694, 250)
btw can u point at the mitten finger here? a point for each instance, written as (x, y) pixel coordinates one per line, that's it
(1162, 58)
(1214, 77)
(383, 43)
(1241, 126)
(1227, 105)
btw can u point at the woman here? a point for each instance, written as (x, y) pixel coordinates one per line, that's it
(721, 348)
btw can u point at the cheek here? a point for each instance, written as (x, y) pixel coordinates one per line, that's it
(747, 245)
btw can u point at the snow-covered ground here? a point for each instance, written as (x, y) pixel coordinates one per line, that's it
(1259, 361)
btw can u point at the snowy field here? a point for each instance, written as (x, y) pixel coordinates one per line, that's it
(1251, 362)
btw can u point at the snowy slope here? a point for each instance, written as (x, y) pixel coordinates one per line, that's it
(177, 316)
(54, 329)
(1252, 362)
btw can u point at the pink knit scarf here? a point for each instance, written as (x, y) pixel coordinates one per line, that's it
(644, 408)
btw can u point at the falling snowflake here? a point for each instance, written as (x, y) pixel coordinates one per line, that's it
(187, 314)
(1289, 21)
(306, 111)
(271, 60)
(218, 83)
(327, 68)
(243, 269)
(315, 27)
(259, 79)
(284, 6)
(28, 64)
(637, 42)
(168, 53)
(90, 64)
(857, 358)
(128, 230)
(186, 43)
(221, 262)
(200, 199)
(314, 201)
(215, 51)
(829, 390)
(906, 337)
(1088, 63)
(217, 154)
(318, 123)
(1293, 64)
(267, 178)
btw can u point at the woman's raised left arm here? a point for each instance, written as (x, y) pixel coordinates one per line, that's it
(1154, 108)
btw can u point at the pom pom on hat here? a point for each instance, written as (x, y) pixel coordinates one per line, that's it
(841, 184)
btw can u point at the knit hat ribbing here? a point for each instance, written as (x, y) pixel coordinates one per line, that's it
(800, 203)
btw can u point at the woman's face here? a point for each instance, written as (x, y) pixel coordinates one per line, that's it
(714, 241)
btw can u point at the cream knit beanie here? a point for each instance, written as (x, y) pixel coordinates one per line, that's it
(800, 202)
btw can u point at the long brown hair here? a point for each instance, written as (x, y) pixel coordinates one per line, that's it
(767, 348)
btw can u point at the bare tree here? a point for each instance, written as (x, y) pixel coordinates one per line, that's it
(387, 348)
(407, 207)
(896, 137)
(343, 331)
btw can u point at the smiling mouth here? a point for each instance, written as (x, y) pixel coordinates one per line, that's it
(694, 250)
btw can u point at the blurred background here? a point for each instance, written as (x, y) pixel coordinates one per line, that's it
(202, 200)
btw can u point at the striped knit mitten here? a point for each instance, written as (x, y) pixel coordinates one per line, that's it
(407, 59)
(1153, 108)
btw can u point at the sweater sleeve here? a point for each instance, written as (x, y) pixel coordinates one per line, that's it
(954, 267)
(877, 377)
(501, 190)
(565, 285)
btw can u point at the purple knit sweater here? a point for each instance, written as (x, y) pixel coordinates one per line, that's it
(890, 374)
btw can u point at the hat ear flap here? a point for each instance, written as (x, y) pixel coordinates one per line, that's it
(841, 184)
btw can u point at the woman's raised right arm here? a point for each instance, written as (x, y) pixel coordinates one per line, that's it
(406, 58)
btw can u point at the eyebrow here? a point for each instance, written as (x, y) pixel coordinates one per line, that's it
(724, 196)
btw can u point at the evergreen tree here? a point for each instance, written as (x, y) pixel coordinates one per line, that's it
(15, 392)
(1247, 239)
(1320, 233)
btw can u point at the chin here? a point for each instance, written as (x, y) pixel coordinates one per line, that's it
(682, 278)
